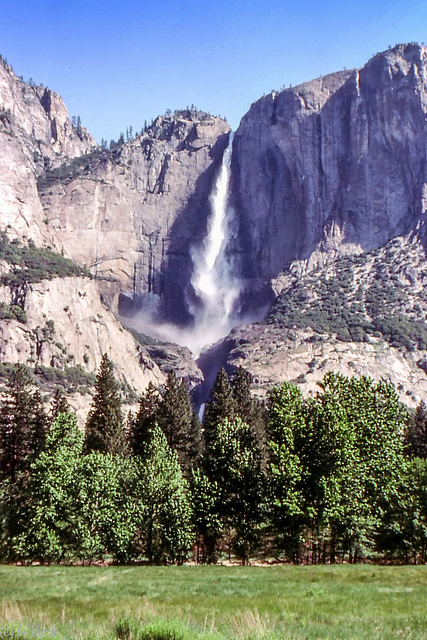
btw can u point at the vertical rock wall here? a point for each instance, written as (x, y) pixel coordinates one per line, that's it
(334, 165)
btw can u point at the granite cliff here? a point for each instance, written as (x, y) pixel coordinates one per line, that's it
(336, 165)
(132, 215)
(321, 172)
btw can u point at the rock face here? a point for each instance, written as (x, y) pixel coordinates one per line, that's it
(273, 355)
(133, 215)
(334, 165)
(35, 133)
(67, 325)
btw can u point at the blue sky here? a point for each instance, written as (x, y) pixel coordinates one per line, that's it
(119, 63)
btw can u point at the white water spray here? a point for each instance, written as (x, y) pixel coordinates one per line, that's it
(212, 279)
(216, 289)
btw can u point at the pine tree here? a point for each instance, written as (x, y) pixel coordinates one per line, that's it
(104, 426)
(221, 405)
(251, 410)
(176, 419)
(416, 434)
(59, 405)
(143, 423)
(23, 425)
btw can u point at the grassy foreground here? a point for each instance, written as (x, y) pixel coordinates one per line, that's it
(182, 603)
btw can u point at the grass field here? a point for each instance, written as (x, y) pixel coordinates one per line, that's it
(174, 603)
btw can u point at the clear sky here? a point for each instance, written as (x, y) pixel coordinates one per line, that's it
(118, 63)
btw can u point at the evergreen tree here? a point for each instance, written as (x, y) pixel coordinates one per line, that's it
(104, 426)
(175, 417)
(249, 409)
(146, 418)
(59, 405)
(220, 406)
(22, 425)
(416, 433)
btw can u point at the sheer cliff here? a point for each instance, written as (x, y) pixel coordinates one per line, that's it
(322, 172)
(332, 166)
(132, 215)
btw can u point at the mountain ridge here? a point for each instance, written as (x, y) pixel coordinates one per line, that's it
(332, 167)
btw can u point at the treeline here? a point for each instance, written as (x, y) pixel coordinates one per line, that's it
(338, 477)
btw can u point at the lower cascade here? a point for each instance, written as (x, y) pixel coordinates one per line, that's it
(216, 287)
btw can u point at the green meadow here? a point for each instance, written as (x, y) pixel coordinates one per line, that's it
(216, 602)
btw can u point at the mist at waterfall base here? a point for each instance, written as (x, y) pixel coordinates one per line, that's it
(216, 288)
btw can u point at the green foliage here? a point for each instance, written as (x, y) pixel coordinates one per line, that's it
(69, 379)
(49, 532)
(236, 469)
(416, 433)
(331, 301)
(12, 312)
(220, 406)
(335, 464)
(31, 264)
(104, 426)
(106, 506)
(170, 408)
(165, 513)
(206, 500)
(81, 165)
(176, 418)
(158, 630)
(251, 410)
(143, 423)
(22, 425)
(285, 469)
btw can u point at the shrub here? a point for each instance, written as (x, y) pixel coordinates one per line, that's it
(32, 264)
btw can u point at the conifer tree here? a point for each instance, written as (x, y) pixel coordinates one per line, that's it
(221, 405)
(416, 434)
(175, 417)
(59, 404)
(22, 425)
(251, 410)
(143, 423)
(104, 426)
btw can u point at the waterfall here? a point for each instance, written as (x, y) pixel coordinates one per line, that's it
(216, 289)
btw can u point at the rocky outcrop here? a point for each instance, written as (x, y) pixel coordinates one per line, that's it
(334, 165)
(35, 133)
(273, 355)
(133, 215)
(67, 325)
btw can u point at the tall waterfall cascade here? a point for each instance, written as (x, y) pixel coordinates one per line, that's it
(216, 289)
(214, 284)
